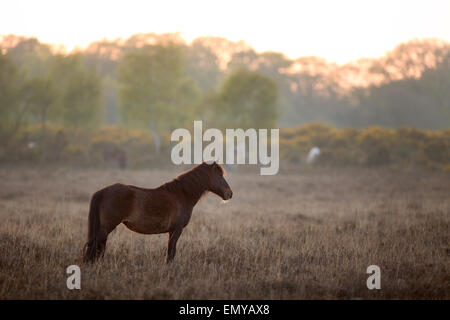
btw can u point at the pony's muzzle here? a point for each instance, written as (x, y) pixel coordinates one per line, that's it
(228, 194)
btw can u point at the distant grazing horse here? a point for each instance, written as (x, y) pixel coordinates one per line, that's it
(167, 208)
(115, 155)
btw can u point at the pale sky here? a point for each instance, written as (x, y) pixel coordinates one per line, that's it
(339, 31)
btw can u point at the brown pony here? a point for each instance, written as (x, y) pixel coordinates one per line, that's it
(167, 208)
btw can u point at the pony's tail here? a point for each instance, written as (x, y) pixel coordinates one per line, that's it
(91, 248)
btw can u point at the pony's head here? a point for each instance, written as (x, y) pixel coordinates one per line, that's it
(217, 183)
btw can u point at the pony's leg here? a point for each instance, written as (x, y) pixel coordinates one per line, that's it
(95, 248)
(104, 231)
(172, 247)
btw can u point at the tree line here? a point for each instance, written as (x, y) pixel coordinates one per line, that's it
(158, 82)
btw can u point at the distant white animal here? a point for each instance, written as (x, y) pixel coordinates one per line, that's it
(312, 155)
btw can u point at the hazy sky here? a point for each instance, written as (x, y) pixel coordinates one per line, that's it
(336, 30)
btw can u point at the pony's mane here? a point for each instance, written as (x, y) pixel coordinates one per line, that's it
(194, 181)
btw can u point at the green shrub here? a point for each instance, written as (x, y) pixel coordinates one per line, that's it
(374, 146)
(110, 145)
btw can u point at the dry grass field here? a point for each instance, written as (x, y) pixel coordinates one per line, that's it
(306, 235)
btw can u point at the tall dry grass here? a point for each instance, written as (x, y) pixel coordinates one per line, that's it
(309, 234)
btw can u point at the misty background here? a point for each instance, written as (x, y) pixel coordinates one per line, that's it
(153, 83)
